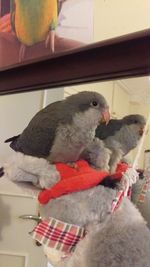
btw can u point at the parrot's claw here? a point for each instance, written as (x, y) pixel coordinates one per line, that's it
(22, 52)
(103, 165)
(113, 169)
(73, 165)
(50, 41)
(98, 155)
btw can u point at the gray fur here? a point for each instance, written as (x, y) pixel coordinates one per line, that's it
(121, 136)
(118, 240)
(72, 139)
(103, 131)
(22, 168)
(144, 207)
(58, 133)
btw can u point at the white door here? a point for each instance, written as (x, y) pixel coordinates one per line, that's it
(17, 248)
(16, 245)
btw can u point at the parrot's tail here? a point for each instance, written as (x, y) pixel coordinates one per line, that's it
(12, 139)
(1, 171)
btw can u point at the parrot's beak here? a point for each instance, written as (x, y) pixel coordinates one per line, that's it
(105, 116)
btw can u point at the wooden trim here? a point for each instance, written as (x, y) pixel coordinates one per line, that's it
(121, 57)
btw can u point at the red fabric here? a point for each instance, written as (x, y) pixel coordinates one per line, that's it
(73, 180)
(122, 167)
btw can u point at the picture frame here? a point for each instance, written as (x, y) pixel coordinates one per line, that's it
(121, 57)
(29, 34)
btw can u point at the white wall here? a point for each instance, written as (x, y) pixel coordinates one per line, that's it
(17, 110)
(15, 113)
(114, 93)
(72, 24)
(52, 95)
(120, 102)
(104, 88)
(114, 18)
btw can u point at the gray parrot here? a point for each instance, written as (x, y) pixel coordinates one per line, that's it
(121, 136)
(58, 133)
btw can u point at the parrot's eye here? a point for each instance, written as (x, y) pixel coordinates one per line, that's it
(94, 103)
(135, 121)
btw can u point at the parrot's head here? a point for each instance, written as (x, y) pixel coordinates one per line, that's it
(137, 122)
(89, 108)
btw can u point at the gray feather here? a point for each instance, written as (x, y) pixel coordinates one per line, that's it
(134, 119)
(40, 135)
(121, 136)
(103, 131)
(121, 131)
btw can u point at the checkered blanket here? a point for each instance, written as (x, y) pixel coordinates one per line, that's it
(57, 234)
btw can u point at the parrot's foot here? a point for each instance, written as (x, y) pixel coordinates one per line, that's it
(98, 155)
(103, 165)
(50, 41)
(22, 52)
(47, 180)
(115, 158)
(113, 168)
(73, 165)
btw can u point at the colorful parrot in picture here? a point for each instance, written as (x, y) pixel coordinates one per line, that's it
(34, 21)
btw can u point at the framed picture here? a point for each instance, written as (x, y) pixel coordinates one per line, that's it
(66, 54)
(33, 29)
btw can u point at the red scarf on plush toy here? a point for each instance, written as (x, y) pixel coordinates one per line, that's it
(81, 178)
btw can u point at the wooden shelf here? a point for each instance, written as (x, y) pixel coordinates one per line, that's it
(122, 57)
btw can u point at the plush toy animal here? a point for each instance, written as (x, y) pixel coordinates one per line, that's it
(117, 239)
(120, 239)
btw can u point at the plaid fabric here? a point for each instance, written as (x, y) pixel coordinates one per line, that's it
(128, 178)
(144, 190)
(57, 234)
(117, 200)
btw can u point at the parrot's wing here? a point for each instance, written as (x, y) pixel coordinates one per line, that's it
(38, 137)
(103, 131)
